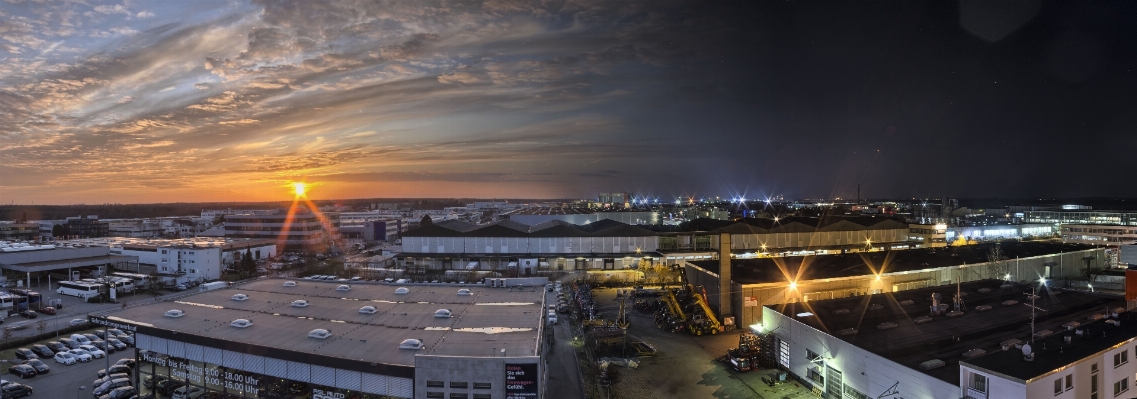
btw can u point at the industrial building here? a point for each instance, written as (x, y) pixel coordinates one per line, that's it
(329, 340)
(293, 231)
(22, 260)
(755, 282)
(190, 259)
(1097, 234)
(580, 216)
(992, 341)
(1070, 216)
(19, 231)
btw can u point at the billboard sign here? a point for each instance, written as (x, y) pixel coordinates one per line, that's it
(520, 381)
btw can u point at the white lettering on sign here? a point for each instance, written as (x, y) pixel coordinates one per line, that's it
(149, 357)
(321, 394)
(108, 323)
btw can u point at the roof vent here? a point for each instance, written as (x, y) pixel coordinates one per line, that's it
(1114, 322)
(411, 344)
(240, 297)
(1094, 316)
(906, 302)
(1010, 302)
(465, 292)
(289, 283)
(922, 319)
(1013, 342)
(241, 323)
(932, 364)
(982, 308)
(974, 353)
(344, 287)
(402, 290)
(368, 310)
(848, 331)
(442, 313)
(175, 313)
(299, 303)
(319, 333)
(886, 325)
(1071, 325)
(1043, 333)
(841, 311)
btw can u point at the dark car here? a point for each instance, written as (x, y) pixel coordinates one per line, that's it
(56, 346)
(25, 354)
(42, 351)
(118, 345)
(98, 343)
(128, 362)
(47, 310)
(150, 381)
(15, 390)
(115, 331)
(144, 396)
(37, 364)
(109, 386)
(167, 387)
(29, 314)
(71, 344)
(22, 370)
(120, 393)
(116, 369)
(129, 340)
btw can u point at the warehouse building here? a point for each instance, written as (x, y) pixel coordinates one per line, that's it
(280, 338)
(902, 345)
(756, 282)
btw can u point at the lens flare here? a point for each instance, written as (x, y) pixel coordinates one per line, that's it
(299, 188)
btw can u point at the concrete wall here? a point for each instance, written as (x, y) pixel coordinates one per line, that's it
(879, 373)
(1032, 268)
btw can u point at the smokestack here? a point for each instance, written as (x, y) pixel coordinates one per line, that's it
(724, 275)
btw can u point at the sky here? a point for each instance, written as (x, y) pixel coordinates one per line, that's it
(138, 102)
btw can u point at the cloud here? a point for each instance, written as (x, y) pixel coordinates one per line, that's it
(240, 122)
(144, 14)
(202, 85)
(115, 9)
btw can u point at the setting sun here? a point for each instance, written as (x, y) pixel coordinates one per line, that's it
(299, 188)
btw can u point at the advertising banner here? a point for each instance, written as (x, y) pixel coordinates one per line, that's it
(521, 381)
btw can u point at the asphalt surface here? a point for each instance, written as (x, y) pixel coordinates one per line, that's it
(564, 375)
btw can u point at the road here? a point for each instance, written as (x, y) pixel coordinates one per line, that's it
(564, 377)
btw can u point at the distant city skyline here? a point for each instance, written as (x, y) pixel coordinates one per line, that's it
(147, 102)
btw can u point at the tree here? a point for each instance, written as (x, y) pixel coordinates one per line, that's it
(426, 221)
(57, 230)
(1000, 267)
(41, 327)
(248, 266)
(1090, 273)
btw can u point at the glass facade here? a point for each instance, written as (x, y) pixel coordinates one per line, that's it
(165, 375)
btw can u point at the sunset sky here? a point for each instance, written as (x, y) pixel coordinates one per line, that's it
(234, 100)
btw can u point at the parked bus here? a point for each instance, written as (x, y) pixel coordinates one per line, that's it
(28, 299)
(79, 289)
(141, 281)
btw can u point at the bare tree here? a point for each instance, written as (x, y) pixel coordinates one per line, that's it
(7, 335)
(1000, 266)
(41, 327)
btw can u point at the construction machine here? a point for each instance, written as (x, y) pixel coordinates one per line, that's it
(745, 356)
(686, 309)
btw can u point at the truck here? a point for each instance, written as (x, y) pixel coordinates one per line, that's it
(213, 286)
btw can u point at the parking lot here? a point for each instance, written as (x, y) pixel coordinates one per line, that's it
(62, 382)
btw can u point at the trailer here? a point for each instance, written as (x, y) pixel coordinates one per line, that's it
(216, 285)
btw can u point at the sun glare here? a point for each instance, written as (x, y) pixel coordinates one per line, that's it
(299, 188)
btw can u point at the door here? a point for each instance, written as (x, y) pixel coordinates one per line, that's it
(832, 382)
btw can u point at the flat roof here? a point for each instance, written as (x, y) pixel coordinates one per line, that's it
(947, 338)
(69, 263)
(769, 270)
(490, 320)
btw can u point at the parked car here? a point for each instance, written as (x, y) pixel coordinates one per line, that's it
(15, 390)
(56, 346)
(115, 331)
(150, 381)
(110, 385)
(65, 358)
(112, 377)
(128, 362)
(121, 393)
(71, 344)
(25, 354)
(42, 352)
(102, 345)
(81, 355)
(116, 369)
(127, 339)
(81, 339)
(188, 392)
(29, 314)
(47, 310)
(118, 345)
(95, 352)
(22, 370)
(167, 386)
(39, 365)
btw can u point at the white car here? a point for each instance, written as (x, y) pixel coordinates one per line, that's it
(65, 358)
(81, 355)
(188, 393)
(75, 322)
(94, 351)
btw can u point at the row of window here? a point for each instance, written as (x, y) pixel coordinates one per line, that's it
(457, 395)
(458, 384)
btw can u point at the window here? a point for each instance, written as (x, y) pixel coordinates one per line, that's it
(978, 382)
(1058, 386)
(1094, 381)
(456, 384)
(1069, 382)
(482, 396)
(851, 393)
(435, 395)
(812, 356)
(435, 384)
(1120, 358)
(482, 385)
(1121, 386)
(816, 376)
(459, 396)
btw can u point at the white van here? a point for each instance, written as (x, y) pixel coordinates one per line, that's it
(552, 317)
(81, 339)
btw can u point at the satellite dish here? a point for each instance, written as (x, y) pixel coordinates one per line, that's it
(1026, 350)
